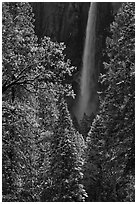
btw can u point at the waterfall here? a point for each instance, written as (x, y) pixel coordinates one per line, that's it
(87, 97)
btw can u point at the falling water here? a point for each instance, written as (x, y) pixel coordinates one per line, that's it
(88, 77)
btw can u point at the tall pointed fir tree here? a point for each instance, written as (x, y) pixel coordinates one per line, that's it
(65, 173)
(112, 135)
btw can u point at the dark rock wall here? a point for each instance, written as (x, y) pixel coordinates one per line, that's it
(66, 22)
(63, 22)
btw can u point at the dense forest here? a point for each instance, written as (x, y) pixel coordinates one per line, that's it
(47, 155)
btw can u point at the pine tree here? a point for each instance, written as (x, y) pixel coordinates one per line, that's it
(65, 174)
(112, 135)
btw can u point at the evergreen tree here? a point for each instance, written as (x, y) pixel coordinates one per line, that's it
(85, 124)
(33, 75)
(65, 173)
(112, 135)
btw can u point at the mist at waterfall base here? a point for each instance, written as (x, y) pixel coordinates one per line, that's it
(87, 99)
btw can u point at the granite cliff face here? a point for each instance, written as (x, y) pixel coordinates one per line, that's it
(66, 22)
(63, 22)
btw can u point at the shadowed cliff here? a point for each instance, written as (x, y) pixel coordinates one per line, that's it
(66, 22)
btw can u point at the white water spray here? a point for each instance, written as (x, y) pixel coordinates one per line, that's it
(88, 77)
